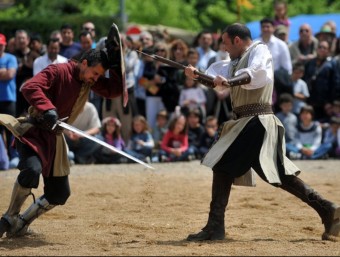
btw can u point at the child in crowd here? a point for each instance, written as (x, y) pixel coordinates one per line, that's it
(110, 133)
(308, 142)
(209, 135)
(332, 137)
(160, 129)
(288, 119)
(175, 145)
(195, 131)
(192, 96)
(300, 88)
(141, 143)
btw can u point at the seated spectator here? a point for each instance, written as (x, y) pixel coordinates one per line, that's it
(288, 119)
(81, 147)
(141, 143)
(175, 144)
(332, 137)
(110, 133)
(308, 142)
(208, 136)
(195, 131)
(161, 128)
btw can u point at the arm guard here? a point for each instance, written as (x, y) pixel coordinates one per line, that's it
(239, 80)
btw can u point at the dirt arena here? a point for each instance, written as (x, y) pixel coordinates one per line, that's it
(118, 210)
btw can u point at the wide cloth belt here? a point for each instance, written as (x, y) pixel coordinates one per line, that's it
(251, 110)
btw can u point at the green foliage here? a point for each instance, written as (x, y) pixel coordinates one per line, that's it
(193, 15)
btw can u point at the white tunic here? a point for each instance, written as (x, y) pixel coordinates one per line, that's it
(257, 62)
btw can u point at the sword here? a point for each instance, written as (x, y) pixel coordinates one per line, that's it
(92, 138)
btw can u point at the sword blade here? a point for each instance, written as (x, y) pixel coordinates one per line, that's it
(92, 138)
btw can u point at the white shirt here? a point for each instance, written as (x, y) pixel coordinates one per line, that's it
(260, 68)
(42, 62)
(88, 118)
(280, 53)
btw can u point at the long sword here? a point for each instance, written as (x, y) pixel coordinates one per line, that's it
(92, 138)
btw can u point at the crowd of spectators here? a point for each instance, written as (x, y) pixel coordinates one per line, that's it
(170, 117)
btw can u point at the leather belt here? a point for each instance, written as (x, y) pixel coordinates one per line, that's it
(251, 110)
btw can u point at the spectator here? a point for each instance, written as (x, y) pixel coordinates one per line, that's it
(326, 34)
(51, 57)
(8, 95)
(281, 32)
(278, 49)
(204, 49)
(195, 131)
(321, 80)
(281, 14)
(141, 143)
(307, 144)
(85, 40)
(287, 117)
(332, 137)
(179, 51)
(160, 128)
(25, 58)
(304, 49)
(56, 34)
(192, 96)
(300, 88)
(10, 47)
(146, 39)
(37, 45)
(110, 133)
(90, 27)
(68, 48)
(82, 147)
(208, 136)
(175, 144)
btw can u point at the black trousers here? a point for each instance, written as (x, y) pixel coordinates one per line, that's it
(56, 189)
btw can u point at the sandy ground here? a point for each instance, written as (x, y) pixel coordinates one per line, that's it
(117, 210)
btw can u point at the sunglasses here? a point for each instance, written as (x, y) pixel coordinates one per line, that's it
(322, 47)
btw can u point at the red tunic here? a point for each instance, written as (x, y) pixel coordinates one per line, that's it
(58, 87)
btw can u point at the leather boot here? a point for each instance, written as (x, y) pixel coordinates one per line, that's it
(328, 211)
(215, 229)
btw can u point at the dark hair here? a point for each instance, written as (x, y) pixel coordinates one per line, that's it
(52, 40)
(173, 122)
(66, 26)
(299, 66)
(307, 108)
(94, 57)
(84, 33)
(238, 30)
(267, 20)
(285, 98)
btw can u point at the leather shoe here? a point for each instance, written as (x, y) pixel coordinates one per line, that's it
(332, 225)
(212, 235)
(4, 226)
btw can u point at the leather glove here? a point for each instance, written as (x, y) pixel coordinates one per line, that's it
(49, 119)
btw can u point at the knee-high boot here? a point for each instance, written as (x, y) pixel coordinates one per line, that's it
(19, 196)
(215, 228)
(328, 211)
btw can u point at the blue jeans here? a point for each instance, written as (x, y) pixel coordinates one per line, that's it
(318, 153)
